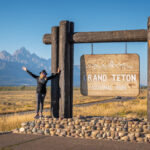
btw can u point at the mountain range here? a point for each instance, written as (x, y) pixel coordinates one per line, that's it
(11, 73)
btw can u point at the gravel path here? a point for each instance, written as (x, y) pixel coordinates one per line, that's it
(123, 99)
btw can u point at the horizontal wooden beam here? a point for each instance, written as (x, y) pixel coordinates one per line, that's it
(104, 36)
(47, 39)
(110, 36)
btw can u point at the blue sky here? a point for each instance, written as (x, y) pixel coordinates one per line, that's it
(24, 22)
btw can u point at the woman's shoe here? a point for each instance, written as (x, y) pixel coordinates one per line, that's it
(41, 116)
(36, 116)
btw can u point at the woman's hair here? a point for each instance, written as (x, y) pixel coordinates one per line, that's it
(44, 72)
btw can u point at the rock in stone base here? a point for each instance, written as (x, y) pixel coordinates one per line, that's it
(148, 136)
(22, 129)
(16, 131)
(139, 139)
(85, 127)
(131, 136)
(125, 138)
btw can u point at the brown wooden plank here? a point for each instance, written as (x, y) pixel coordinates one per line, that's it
(47, 39)
(110, 75)
(54, 67)
(110, 36)
(104, 36)
(71, 69)
(148, 71)
(64, 64)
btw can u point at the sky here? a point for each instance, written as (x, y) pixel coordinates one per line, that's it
(24, 22)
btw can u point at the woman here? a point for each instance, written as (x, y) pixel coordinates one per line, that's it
(41, 88)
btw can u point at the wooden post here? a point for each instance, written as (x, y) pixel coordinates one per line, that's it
(54, 67)
(71, 69)
(64, 65)
(148, 71)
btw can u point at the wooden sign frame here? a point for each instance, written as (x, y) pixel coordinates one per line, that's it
(63, 38)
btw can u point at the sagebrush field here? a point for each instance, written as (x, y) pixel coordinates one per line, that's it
(16, 99)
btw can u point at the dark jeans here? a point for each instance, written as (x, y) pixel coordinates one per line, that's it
(40, 102)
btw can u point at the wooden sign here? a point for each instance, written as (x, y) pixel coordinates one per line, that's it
(110, 75)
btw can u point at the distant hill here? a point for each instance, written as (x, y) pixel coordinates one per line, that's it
(11, 73)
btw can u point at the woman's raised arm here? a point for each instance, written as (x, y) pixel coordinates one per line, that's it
(54, 75)
(30, 73)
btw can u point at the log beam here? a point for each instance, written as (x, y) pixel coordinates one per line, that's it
(148, 71)
(54, 67)
(64, 65)
(71, 70)
(104, 36)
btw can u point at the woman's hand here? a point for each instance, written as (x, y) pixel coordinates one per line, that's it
(24, 68)
(58, 70)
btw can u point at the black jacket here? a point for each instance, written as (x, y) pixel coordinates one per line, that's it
(41, 83)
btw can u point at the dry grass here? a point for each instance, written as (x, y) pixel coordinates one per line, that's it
(16, 101)
(12, 122)
(24, 100)
(134, 108)
(8, 123)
